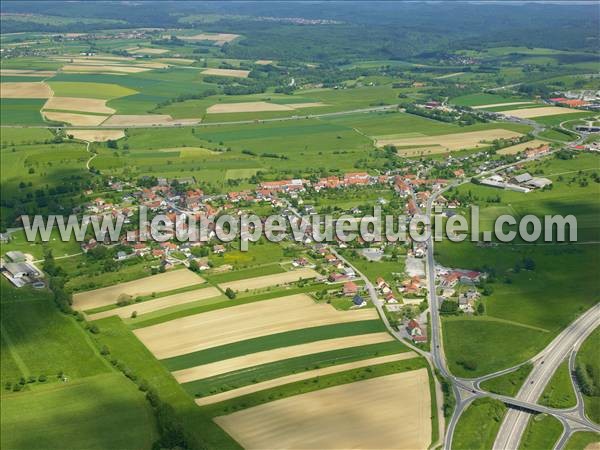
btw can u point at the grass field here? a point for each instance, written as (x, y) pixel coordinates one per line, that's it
(582, 440)
(508, 384)
(528, 298)
(559, 392)
(18, 111)
(484, 99)
(542, 432)
(125, 347)
(488, 345)
(478, 425)
(36, 335)
(98, 412)
(104, 91)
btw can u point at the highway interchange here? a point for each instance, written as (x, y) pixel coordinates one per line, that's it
(523, 405)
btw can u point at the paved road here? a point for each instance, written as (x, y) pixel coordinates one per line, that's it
(546, 363)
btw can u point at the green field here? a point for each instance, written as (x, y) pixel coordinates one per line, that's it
(36, 335)
(476, 347)
(559, 392)
(478, 425)
(581, 440)
(98, 412)
(485, 99)
(125, 347)
(508, 384)
(542, 432)
(21, 111)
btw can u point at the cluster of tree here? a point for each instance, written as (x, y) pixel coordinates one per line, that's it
(588, 378)
(449, 399)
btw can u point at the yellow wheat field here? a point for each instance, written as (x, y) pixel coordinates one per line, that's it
(167, 281)
(167, 301)
(392, 411)
(269, 280)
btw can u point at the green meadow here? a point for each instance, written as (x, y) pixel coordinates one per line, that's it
(42, 352)
(508, 384)
(97, 412)
(478, 425)
(542, 432)
(559, 392)
(21, 111)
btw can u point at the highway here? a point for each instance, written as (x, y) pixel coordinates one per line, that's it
(545, 364)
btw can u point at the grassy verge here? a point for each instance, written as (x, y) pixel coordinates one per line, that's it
(588, 374)
(479, 424)
(270, 342)
(542, 432)
(508, 384)
(559, 392)
(581, 440)
(244, 377)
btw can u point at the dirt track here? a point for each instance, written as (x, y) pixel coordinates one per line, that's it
(269, 280)
(381, 413)
(167, 281)
(238, 323)
(278, 354)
